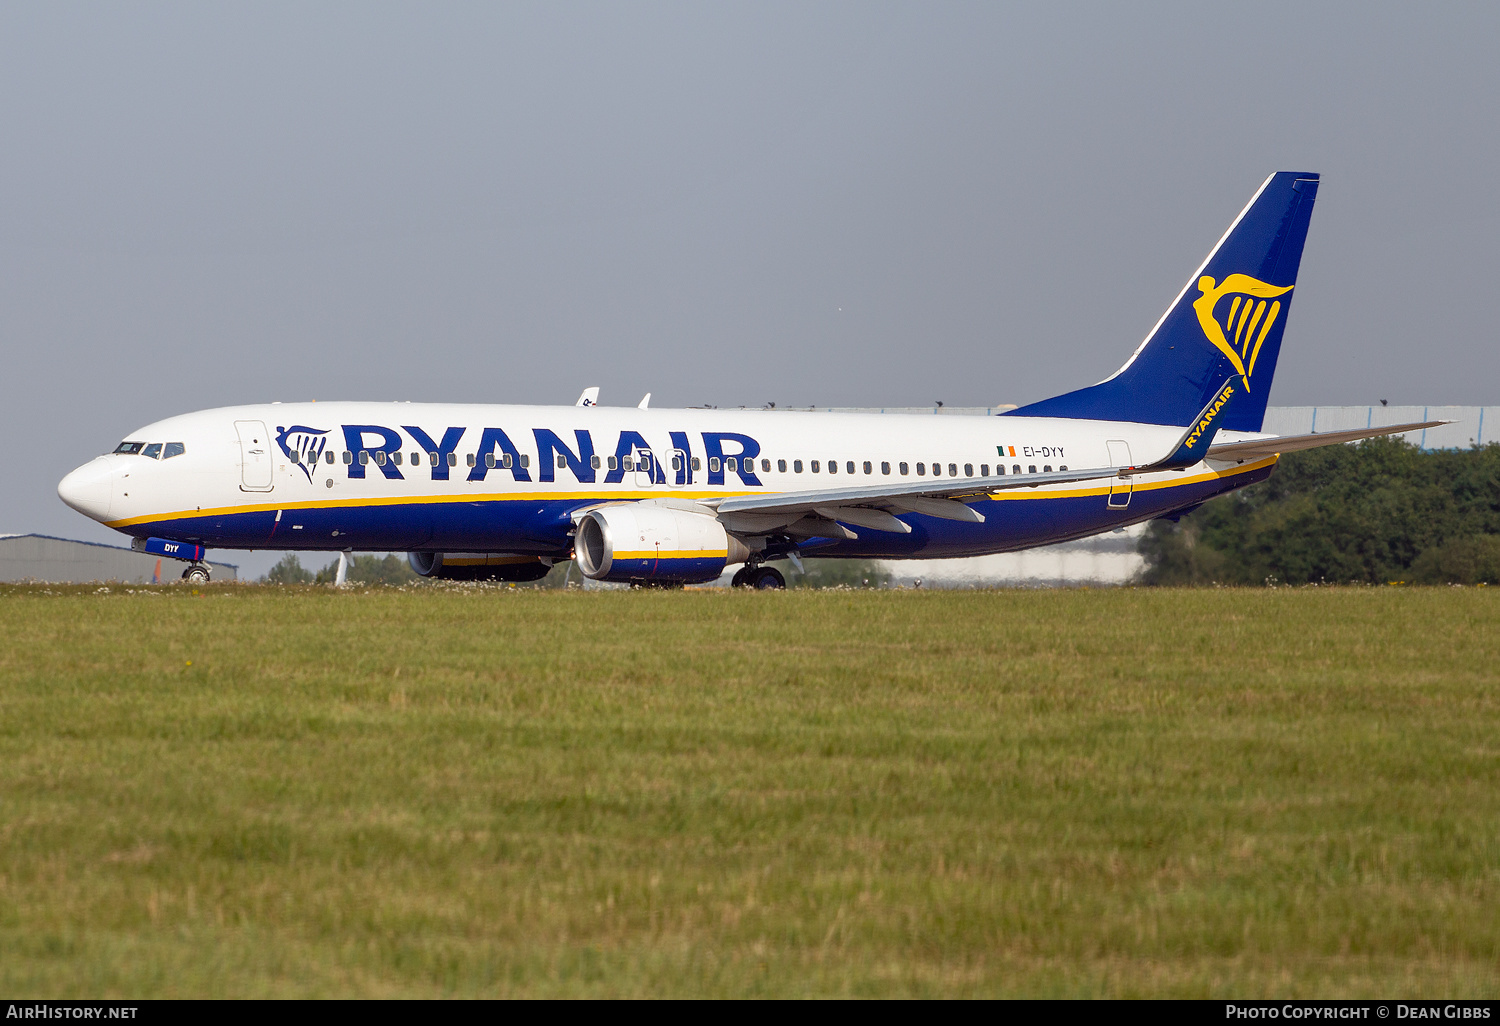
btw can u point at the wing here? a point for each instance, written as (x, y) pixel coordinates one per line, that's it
(816, 514)
(1293, 443)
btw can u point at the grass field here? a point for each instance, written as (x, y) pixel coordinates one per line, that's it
(258, 791)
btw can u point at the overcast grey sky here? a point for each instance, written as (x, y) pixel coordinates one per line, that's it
(841, 204)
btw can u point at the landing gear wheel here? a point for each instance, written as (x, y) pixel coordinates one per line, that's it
(767, 577)
(196, 574)
(738, 580)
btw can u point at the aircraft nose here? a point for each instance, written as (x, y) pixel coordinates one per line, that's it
(90, 489)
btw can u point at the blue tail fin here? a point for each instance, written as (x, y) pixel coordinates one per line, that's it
(1228, 320)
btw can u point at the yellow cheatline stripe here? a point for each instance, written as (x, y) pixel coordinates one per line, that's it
(674, 554)
(1010, 494)
(1148, 486)
(416, 500)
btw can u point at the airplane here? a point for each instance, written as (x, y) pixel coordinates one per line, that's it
(667, 497)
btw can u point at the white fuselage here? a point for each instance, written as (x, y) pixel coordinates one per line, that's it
(415, 477)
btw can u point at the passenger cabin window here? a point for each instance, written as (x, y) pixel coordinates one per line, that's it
(628, 462)
(380, 457)
(697, 463)
(765, 466)
(396, 458)
(489, 461)
(177, 449)
(1031, 468)
(1046, 468)
(506, 461)
(130, 448)
(953, 470)
(327, 456)
(731, 464)
(432, 458)
(937, 469)
(364, 457)
(984, 470)
(613, 463)
(1016, 469)
(868, 468)
(921, 470)
(796, 466)
(562, 462)
(525, 460)
(1062, 468)
(349, 457)
(903, 469)
(833, 466)
(814, 466)
(594, 462)
(885, 468)
(416, 459)
(152, 451)
(968, 470)
(713, 465)
(471, 459)
(781, 466)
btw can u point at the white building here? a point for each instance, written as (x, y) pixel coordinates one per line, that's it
(39, 557)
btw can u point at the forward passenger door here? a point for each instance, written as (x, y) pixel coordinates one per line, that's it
(255, 456)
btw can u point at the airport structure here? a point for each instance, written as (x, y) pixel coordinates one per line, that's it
(1468, 426)
(39, 557)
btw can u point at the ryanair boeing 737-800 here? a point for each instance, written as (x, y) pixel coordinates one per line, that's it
(677, 496)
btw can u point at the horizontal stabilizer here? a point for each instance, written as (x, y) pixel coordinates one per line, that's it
(1293, 443)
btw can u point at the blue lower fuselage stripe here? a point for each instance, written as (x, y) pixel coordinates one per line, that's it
(543, 527)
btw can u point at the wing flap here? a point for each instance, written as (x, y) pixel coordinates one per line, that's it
(868, 516)
(756, 513)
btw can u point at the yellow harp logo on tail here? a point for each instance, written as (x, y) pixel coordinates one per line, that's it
(1238, 328)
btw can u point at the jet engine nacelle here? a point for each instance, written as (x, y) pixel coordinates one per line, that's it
(654, 543)
(477, 566)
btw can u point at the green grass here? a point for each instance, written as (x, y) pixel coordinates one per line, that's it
(257, 791)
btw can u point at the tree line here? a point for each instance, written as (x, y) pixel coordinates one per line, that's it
(1378, 512)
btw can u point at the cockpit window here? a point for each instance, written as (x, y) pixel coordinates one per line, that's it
(177, 449)
(152, 451)
(129, 448)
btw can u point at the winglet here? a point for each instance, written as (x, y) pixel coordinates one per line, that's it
(590, 397)
(1192, 447)
(645, 403)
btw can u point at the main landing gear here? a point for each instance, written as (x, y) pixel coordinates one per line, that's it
(758, 577)
(196, 573)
